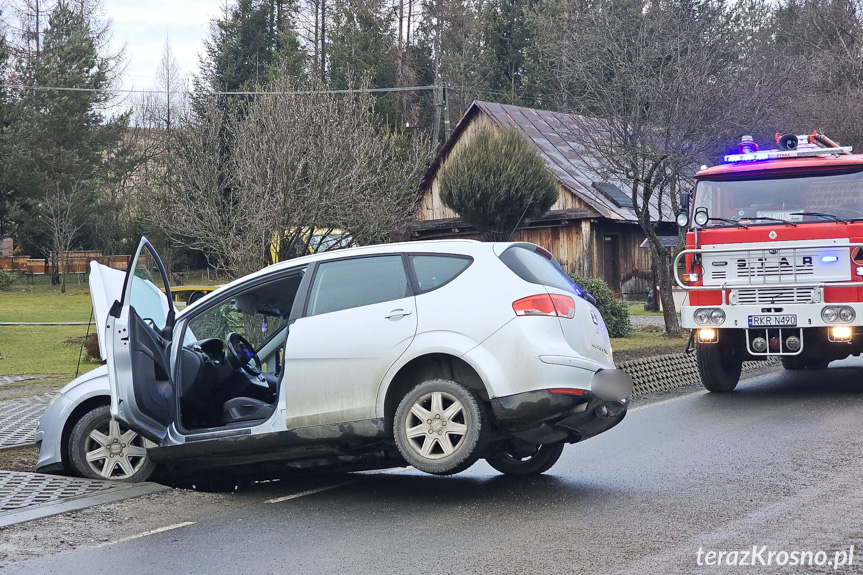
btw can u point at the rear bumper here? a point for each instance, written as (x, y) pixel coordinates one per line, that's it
(544, 417)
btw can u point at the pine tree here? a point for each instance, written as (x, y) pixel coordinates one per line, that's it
(63, 141)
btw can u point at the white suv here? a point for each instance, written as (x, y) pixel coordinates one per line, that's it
(432, 354)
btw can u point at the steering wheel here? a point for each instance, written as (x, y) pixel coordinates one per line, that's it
(241, 352)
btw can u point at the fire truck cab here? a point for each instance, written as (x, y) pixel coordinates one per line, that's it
(773, 262)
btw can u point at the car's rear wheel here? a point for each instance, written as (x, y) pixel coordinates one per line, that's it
(718, 365)
(511, 459)
(440, 427)
(102, 448)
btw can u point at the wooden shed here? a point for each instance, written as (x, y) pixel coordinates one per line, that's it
(591, 229)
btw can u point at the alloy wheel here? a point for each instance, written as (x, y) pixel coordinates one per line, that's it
(436, 425)
(115, 452)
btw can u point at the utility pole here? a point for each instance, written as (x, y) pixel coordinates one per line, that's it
(437, 115)
(445, 112)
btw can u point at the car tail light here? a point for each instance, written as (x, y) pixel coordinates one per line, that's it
(544, 253)
(566, 391)
(545, 304)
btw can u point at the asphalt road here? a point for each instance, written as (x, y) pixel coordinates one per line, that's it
(777, 464)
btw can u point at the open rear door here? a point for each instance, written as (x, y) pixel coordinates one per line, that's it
(138, 335)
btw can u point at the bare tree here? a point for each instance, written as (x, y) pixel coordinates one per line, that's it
(661, 86)
(171, 93)
(62, 211)
(299, 163)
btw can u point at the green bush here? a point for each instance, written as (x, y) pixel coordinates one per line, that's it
(497, 182)
(6, 279)
(614, 311)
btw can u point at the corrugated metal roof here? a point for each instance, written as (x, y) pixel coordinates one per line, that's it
(555, 136)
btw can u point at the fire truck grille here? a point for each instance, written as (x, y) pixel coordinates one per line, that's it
(774, 268)
(773, 295)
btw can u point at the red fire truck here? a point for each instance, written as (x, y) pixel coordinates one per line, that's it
(773, 264)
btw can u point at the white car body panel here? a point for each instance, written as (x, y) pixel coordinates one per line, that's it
(361, 343)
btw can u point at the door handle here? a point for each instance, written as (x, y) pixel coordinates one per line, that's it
(397, 314)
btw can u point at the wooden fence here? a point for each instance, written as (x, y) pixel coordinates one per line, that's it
(79, 262)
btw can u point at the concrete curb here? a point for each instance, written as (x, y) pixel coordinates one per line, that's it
(666, 372)
(111, 495)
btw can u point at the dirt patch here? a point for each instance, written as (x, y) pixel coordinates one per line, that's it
(662, 346)
(30, 388)
(19, 459)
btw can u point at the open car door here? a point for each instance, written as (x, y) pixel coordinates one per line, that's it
(138, 334)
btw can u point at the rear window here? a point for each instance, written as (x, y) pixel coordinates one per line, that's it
(433, 271)
(537, 269)
(357, 282)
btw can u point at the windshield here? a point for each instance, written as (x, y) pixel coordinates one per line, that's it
(795, 199)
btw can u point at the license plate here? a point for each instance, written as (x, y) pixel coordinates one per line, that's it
(788, 320)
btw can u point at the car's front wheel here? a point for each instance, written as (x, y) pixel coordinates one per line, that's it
(523, 460)
(440, 427)
(102, 448)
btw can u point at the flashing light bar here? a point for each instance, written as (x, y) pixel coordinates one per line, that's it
(785, 154)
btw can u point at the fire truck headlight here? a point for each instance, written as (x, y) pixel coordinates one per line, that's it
(683, 219)
(701, 217)
(717, 317)
(846, 314)
(829, 314)
(707, 334)
(702, 316)
(840, 333)
(860, 271)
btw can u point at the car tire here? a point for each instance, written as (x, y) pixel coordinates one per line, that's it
(421, 432)
(102, 448)
(536, 463)
(718, 366)
(195, 296)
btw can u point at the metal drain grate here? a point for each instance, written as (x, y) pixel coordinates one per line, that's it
(19, 489)
(18, 419)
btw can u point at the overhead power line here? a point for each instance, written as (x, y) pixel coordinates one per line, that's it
(220, 93)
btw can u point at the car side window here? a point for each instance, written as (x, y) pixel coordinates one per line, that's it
(145, 294)
(357, 282)
(433, 271)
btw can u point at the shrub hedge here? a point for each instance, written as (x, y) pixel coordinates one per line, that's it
(614, 311)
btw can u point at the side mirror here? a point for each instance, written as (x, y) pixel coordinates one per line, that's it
(683, 210)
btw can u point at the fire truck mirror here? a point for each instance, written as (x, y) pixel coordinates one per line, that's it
(701, 216)
(683, 209)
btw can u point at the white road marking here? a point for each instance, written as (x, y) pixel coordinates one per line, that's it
(310, 492)
(664, 401)
(147, 533)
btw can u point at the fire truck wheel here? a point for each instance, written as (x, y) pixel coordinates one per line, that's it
(718, 365)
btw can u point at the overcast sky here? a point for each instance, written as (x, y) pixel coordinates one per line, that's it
(144, 25)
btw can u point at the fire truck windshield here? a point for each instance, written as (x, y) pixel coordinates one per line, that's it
(795, 199)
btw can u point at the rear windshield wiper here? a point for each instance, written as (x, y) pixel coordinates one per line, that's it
(820, 215)
(727, 221)
(769, 219)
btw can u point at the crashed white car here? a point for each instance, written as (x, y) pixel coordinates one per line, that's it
(430, 354)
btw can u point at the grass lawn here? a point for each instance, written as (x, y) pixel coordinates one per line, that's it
(43, 303)
(42, 349)
(639, 344)
(638, 309)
